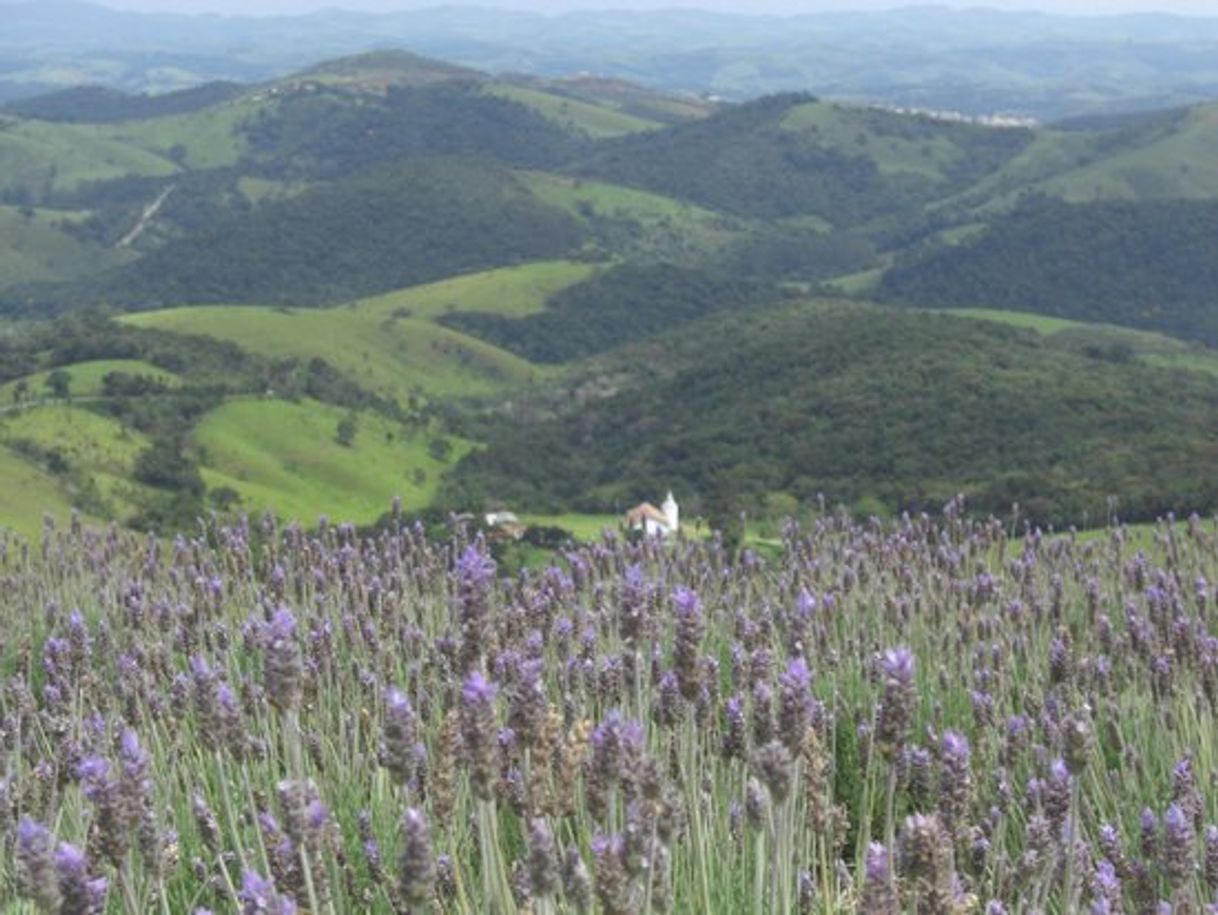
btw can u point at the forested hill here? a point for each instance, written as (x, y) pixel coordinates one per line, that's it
(325, 135)
(1147, 264)
(853, 402)
(788, 155)
(398, 225)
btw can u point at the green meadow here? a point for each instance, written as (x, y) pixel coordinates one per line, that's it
(286, 457)
(199, 140)
(26, 494)
(1177, 163)
(98, 451)
(34, 247)
(39, 156)
(839, 127)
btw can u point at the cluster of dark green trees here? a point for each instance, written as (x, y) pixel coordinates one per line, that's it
(1148, 264)
(621, 305)
(392, 227)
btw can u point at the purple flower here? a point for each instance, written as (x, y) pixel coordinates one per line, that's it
(478, 732)
(879, 894)
(40, 881)
(955, 781)
(416, 866)
(691, 627)
(1179, 840)
(259, 897)
(283, 667)
(400, 736)
(475, 573)
(795, 704)
(896, 701)
(80, 892)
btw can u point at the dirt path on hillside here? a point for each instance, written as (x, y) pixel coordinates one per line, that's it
(146, 217)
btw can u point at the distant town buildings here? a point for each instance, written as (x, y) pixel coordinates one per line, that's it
(1002, 119)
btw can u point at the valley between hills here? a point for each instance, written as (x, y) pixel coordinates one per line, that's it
(391, 276)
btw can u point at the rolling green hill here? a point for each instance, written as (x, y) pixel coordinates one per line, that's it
(330, 133)
(104, 105)
(38, 158)
(1109, 341)
(622, 305)
(94, 456)
(573, 115)
(1166, 158)
(36, 246)
(390, 343)
(27, 494)
(285, 457)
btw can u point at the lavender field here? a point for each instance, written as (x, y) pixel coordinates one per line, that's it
(921, 716)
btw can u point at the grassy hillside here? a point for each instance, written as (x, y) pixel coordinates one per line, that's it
(102, 104)
(94, 456)
(27, 494)
(378, 71)
(389, 344)
(1171, 159)
(38, 158)
(35, 248)
(285, 456)
(877, 408)
(638, 224)
(648, 104)
(573, 115)
(330, 133)
(212, 137)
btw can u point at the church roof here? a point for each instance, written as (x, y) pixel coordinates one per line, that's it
(643, 512)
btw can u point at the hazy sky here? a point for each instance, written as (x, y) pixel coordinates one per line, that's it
(1189, 7)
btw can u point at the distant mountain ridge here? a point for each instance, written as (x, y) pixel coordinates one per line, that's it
(977, 61)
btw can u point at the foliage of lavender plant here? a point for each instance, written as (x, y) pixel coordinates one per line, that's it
(926, 716)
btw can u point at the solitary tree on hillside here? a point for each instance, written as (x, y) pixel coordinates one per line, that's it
(59, 383)
(344, 434)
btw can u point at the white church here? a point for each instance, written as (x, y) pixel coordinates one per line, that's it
(664, 521)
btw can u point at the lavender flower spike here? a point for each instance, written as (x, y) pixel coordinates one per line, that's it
(879, 895)
(40, 881)
(478, 733)
(416, 866)
(896, 703)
